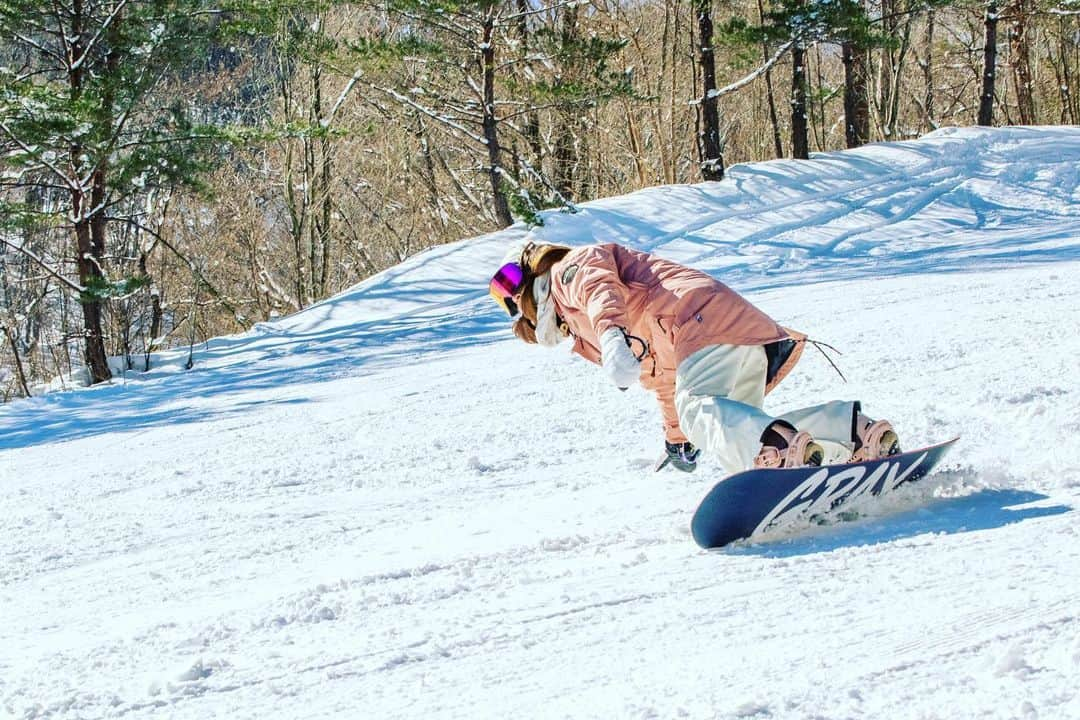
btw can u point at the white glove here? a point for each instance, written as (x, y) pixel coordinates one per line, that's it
(617, 358)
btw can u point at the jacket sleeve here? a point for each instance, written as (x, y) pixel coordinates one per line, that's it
(672, 432)
(665, 396)
(597, 289)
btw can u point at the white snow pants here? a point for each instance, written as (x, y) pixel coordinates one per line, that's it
(719, 391)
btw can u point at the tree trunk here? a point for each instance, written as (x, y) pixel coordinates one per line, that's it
(886, 70)
(322, 201)
(800, 132)
(710, 147)
(668, 49)
(89, 220)
(928, 72)
(1063, 75)
(532, 118)
(856, 97)
(817, 125)
(986, 97)
(896, 24)
(563, 158)
(10, 335)
(770, 96)
(427, 174)
(294, 205)
(636, 146)
(1020, 56)
(157, 314)
(774, 119)
(327, 171)
(491, 124)
(566, 155)
(94, 353)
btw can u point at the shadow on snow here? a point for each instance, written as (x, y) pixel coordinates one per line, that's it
(983, 510)
(234, 375)
(435, 302)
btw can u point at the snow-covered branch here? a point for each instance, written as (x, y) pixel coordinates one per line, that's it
(545, 9)
(70, 284)
(462, 32)
(442, 119)
(39, 157)
(40, 48)
(739, 84)
(97, 36)
(325, 122)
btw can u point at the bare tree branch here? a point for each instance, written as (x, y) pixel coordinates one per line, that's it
(70, 284)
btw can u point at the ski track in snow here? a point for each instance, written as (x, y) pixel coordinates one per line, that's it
(385, 506)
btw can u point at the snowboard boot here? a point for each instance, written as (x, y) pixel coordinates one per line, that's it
(782, 446)
(873, 439)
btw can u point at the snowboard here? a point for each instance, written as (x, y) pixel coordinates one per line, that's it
(755, 502)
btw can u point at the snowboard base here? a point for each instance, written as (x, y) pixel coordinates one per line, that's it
(755, 502)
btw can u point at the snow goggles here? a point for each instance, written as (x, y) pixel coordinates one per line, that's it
(505, 284)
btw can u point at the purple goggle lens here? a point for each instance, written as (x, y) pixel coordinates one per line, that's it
(505, 283)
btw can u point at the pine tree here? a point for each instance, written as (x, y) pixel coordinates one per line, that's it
(81, 121)
(803, 23)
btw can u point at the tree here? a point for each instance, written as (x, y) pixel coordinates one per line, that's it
(928, 71)
(710, 147)
(567, 130)
(447, 57)
(564, 81)
(800, 132)
(82, 124)
(856, 95)
(1018, 13)
(1063, 54)
(459, 66)
(801, 24)
(300, 48)
(989, 67)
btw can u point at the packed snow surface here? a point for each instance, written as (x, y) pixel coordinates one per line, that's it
(387, 507)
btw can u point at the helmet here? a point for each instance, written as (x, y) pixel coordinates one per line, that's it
(520, 266)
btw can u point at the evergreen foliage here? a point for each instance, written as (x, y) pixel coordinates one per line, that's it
(83, 126)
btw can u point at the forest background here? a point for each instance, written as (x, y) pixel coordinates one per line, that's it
(174, 170)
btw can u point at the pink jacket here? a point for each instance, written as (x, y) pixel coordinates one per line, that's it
(676, 310)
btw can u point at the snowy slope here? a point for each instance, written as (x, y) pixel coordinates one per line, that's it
(385, 506)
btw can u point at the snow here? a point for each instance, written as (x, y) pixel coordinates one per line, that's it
(385, 506)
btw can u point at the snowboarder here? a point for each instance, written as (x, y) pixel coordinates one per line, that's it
(708, 354)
